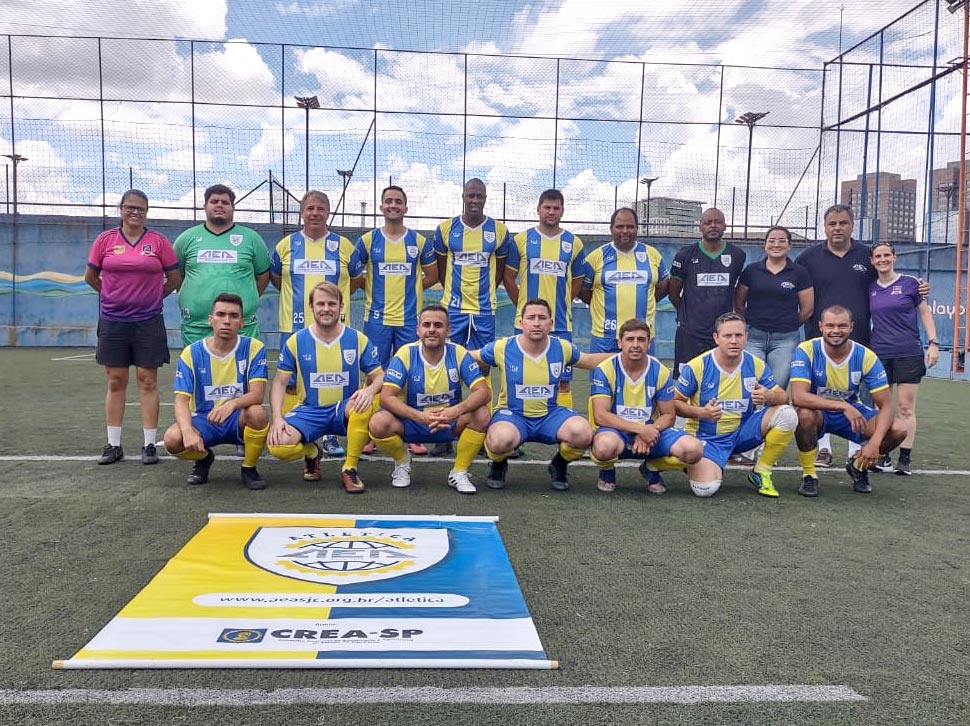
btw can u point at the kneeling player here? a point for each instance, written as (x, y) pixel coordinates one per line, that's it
(330, 360)
(631, 407)
(734, 405)
(826, 374)
(532, 365)
(421, 401)
(219, 387)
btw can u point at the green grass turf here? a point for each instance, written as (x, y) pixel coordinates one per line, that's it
(626, 590)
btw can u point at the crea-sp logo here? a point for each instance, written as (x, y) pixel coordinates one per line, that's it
(241, 635)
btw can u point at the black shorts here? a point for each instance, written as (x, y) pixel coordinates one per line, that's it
(908, 369)
(688, 345)
(122, 344)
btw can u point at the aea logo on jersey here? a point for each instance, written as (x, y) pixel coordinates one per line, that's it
(218, 256)
(547, 267)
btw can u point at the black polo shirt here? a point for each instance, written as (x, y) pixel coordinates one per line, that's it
(772, 302)
(840, 281)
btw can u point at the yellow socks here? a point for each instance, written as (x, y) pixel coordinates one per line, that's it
(393, 446)
(775, 442)
(469, 443)
(357, 437)
(807, 460)
(254, 441)
(190, 455)
(569, 453)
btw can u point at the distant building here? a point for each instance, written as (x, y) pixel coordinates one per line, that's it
(946, 182)
(670, 217)
(890, 206)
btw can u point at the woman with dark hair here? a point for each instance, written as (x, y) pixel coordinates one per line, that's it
(897, 309)
(132, 268)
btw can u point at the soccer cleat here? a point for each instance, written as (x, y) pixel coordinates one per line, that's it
(443, 448)
(111, 454)
(606, 486)
(311, 466)
(884, 463)
(557, 470)
(496, 474)
(200, 469)
(352, 482)
(149, 454)
(461, 482)
(368, 447)
(860, 479)
(418, 449)
(903, 467)
(823, 458)
(809, 487)
(330, 446)
(401, 476)
(250, 478)
(655, 482)
(762, 482)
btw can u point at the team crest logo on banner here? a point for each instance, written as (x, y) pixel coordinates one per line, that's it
(350, 356)
(556, 369)
(333, 245)
(489, 236)
(235, 239)
(726, 260)
(345, 556)
(641, 256)
(412, 251)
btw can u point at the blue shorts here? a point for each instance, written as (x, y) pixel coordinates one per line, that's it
(228, 432)
(668, 437)
(314, 421)
(747, 436)
(471, 331)
(567, 374)
(542, 429)
(835, 422)
(610, 345)
(418, 433)
(389, 338)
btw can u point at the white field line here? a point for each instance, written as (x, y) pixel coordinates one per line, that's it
(79, 357)
(204, 697)
(513, 462)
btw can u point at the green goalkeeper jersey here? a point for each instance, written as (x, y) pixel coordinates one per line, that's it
(215, 263)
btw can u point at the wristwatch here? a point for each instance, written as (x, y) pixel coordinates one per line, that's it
(933, 342)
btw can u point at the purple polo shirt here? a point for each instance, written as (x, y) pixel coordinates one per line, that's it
(132, 274)
(895, 318)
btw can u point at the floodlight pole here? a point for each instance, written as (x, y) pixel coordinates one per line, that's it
(16, 159)
(648, 180)
(749, 119)
(306, 103)
(948, 190)
(345, 175)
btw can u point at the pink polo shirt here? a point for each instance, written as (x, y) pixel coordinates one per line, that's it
(132, 274)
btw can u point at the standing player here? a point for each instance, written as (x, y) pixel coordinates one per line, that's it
(624, 279)
(733, 404)
(399, 264)
(329, 360)
(531, 364)
(703, 278)
(219, 387)
(300, 261)
(220, 256)
(631, 408)
(826, 375)
(546, 262)
(421, 401)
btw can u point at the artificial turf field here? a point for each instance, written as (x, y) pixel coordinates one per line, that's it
(868, 593)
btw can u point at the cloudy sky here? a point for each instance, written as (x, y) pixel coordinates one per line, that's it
(697, 63)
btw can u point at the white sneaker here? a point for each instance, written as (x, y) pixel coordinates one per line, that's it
(401, 476)
(460, 482)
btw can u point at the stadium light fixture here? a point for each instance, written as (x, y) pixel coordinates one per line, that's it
(954, 5)
(306, 103)
(648, 180)
(749, 119)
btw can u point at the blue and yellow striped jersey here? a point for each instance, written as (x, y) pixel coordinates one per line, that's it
(393, 280)
(703, 379)
(469, 284)
(422, 385)
(623, 286)
(529, 385)
(303, 263)
(546, 267)
(210, 381)
(841, 381)
(328, 373)
(630, 398)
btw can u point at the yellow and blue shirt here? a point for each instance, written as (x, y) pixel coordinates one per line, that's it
(623, 286)
(471, 252)
(840, 381)
(529, 385)
(703, 379)
(328, 373)
(423, 385)
(546, 267)
(303, 263)
(632, 399)
(210, 381)
(393, 282)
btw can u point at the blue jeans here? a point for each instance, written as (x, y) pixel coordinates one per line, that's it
(776, 349)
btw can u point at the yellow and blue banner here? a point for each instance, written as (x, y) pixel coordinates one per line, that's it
(327, 591)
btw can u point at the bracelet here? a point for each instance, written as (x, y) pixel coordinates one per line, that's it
(933, 342)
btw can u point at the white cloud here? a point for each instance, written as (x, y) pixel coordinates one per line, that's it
(181, 160)
(272, 146)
